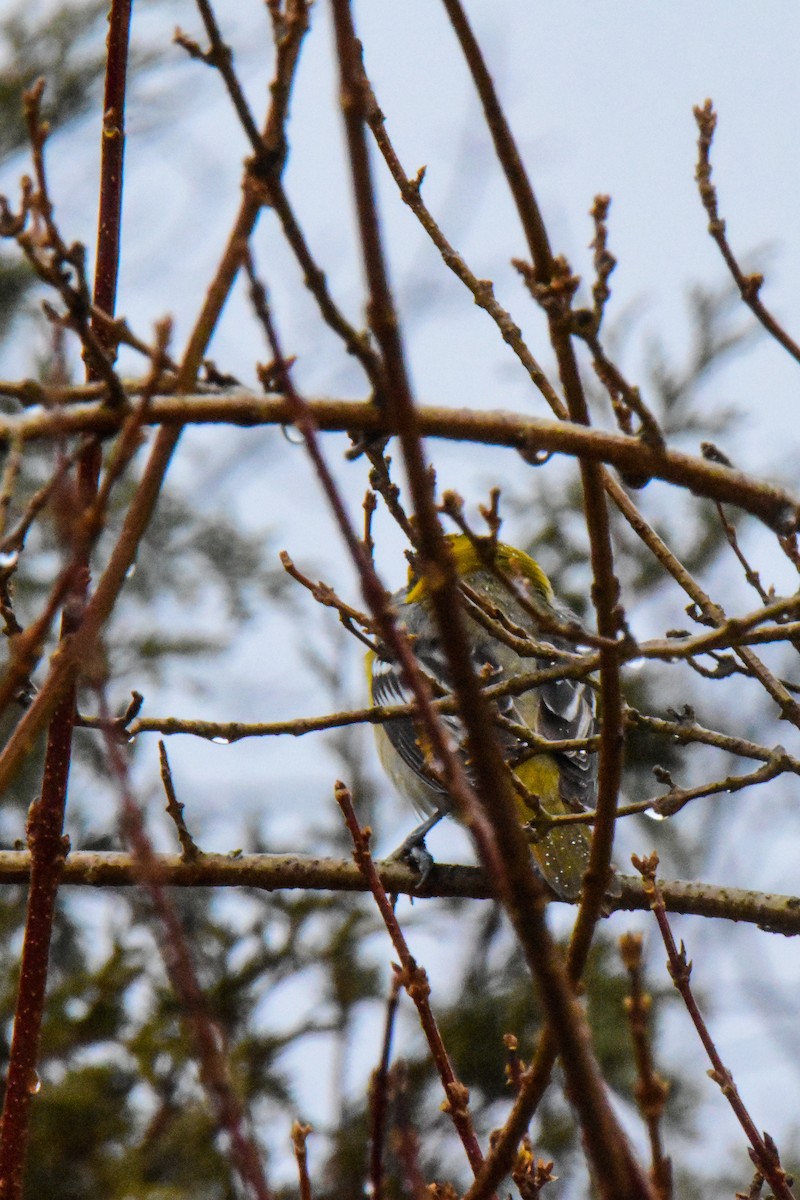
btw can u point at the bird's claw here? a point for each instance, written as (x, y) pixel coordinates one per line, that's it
(414, 851)
(416, 855)
(420, 858)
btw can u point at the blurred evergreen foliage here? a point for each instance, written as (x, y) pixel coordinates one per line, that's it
(65, 46)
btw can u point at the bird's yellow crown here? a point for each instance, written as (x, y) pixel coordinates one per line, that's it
(468, 561)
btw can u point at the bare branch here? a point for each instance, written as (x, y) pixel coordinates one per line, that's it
(764, 1151)
(749, 285)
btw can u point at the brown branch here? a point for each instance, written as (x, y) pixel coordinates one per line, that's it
(667, 805)
(44, 829)
(752, 576)
(11, 470)
(379, 1093)
(381, 311)
(14, 540)
(54, 395)
(651, 1088)
(273, 149)
(677, 798)
(414, 979)
(685, 730)
(501, 847)
(228, 732)
(60, 266)
(706, 610)
(749, 285)
(190, 852)
(504, 144)
(604, 261)
(764, 1152)
(26, 644)
(300, 1134)
(775, 506)
(626, 401)
(382, 484)
(482, 290)
(616, 1170)
(111, 166)
(289, 32)
(353, 620)
(356, 342)
(220, 56)
(275, 872)
(48, 849)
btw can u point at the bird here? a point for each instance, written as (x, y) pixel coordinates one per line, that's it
(507, 596)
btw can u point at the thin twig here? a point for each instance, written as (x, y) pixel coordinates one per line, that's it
(190, 851)
(749, 285)
(706, 610)
(752, 576)
(353, 620)
(604, 261)
(651, 1088)
(482, 290)
(220, 56)
(763, 1152)
(63, 267)
(415, 981)
(11, 471)
(300, 1134)
(667, 805)
(379, 1093)
(406, 1141)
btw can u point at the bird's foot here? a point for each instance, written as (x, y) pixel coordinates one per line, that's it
(416, 854)
(421, 860)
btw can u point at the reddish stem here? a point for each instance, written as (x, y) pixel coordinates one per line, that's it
(46, 819)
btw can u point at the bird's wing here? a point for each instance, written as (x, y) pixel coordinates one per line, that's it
(566, 710)
(388, 688)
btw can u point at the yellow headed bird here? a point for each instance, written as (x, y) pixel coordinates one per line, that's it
(562, 780)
